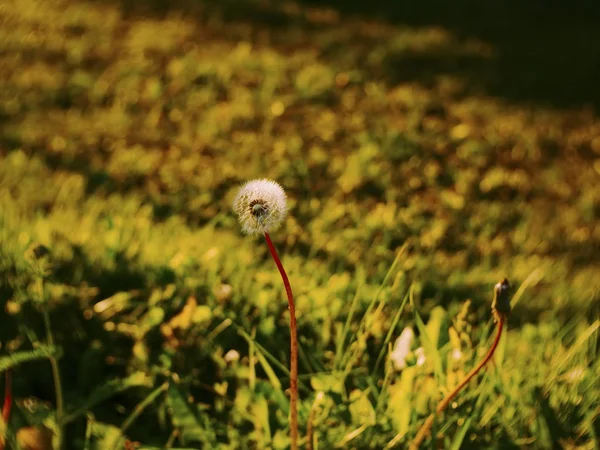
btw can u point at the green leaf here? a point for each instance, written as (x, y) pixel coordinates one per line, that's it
(327, 382)
(361, 408)
(42, 352)
(37, 411)
(151, 319)
(400, 405)
(260, 411)
(106, 436)
(437, 327)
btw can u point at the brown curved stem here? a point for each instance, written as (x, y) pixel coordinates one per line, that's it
(424, 430)
(293, 347)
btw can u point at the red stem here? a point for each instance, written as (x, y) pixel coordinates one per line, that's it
(293, 347)
(7, 396)
(424, 430)
(476, 369)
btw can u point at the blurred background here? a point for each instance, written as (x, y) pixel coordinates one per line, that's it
(433, 144)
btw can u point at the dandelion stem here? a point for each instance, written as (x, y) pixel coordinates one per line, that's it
(424, 430)
(7, 396)
(293, 347)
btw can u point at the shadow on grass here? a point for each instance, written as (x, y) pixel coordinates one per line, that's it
(542, 52)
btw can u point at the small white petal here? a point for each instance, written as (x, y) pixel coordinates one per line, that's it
(456, 354)
(420, 353)
(402, 348)
(232, 356)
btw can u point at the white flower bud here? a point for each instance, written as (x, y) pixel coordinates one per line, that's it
(232, 356)
(260, 206)
(401, 348)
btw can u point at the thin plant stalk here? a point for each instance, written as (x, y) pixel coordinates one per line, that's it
(310, 426)
(7, 396)
(293, 346)
(426, 427)
(140, 407)
(55, 369)
(500, 310)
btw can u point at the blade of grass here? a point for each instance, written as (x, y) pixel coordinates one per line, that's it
(184, 418)
(353, 434)
(106, 391)
(388, 337)
(267, 355)
(384, 282)
(304, 358)
(139, 408)
(363, 321)
(42, 352)
(88, 433)
(385, 385)
(339, 351)
(218, 329)
(431, 350)
(275, 383)
(460, 436)
(264, 363)
(532, 279)
(490, 412)
(576, 347)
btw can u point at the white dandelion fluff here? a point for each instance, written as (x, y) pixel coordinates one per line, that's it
(260, 206)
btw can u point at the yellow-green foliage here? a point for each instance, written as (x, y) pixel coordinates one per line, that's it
(125, 129)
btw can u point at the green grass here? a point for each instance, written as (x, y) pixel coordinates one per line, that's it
(124, 132)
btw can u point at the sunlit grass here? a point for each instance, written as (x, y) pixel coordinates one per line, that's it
(123, 135)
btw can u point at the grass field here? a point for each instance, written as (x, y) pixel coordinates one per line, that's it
(427, 152)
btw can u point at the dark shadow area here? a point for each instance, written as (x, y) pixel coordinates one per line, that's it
(542, 52)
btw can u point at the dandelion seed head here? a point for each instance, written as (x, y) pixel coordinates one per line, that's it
(260, 206)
